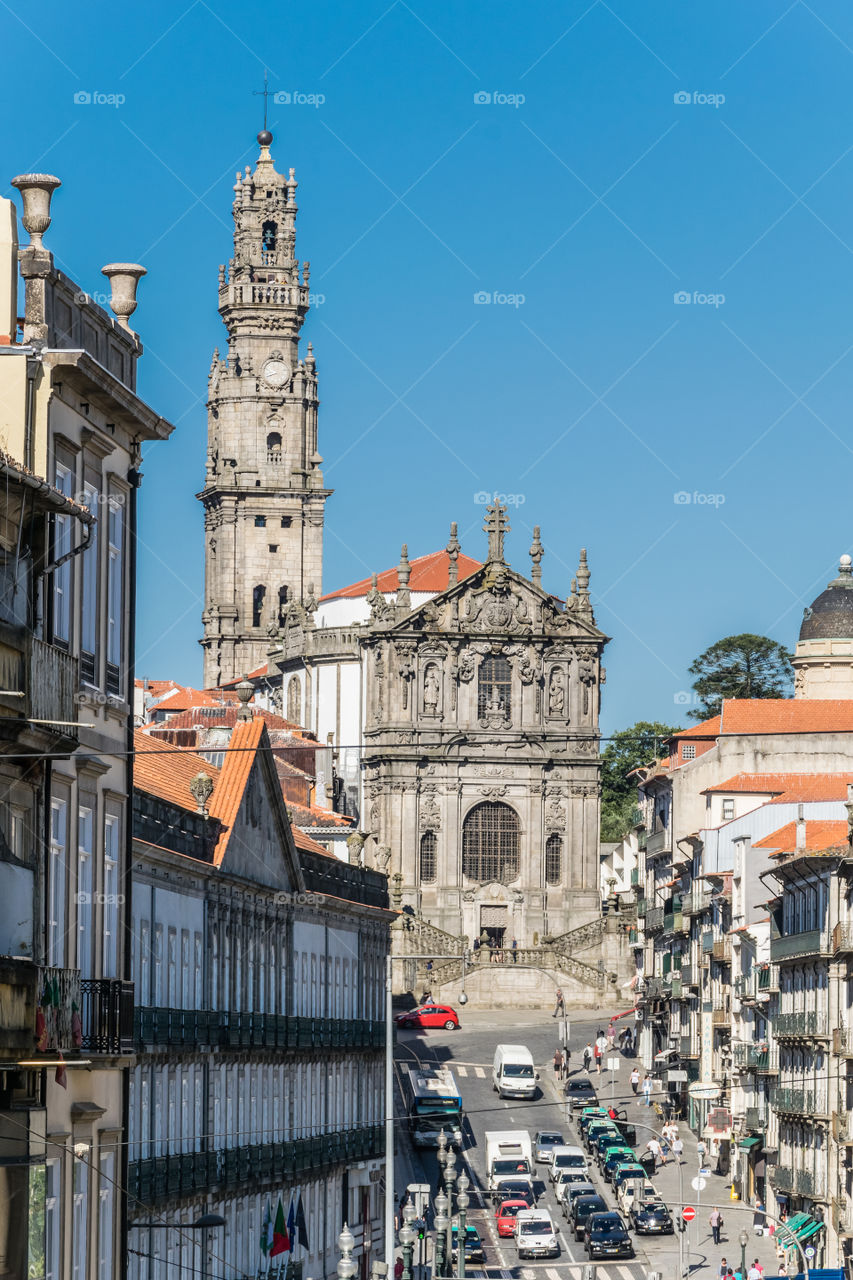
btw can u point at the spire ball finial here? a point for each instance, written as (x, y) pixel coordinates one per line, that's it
(264, 138)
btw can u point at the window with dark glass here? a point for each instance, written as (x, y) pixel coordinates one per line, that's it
(89, 593)
(429, 845)
(258, 605)
(494, 687)
(553, 860)
(490, 840)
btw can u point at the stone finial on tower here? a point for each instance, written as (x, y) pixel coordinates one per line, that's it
(404, 572)
(453, 548)
(124, 278)
(201, 789)
(583, 604)
(537, 551)
(496, 525)
(245, 692)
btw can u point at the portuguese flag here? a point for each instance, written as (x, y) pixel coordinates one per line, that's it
(280, 1241)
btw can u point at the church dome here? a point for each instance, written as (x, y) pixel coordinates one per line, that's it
(830, 616)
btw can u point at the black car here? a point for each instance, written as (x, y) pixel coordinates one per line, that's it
(582, 1210)
(606, 1236)
(580, 1093)
(514, 1190)
(651, 1218)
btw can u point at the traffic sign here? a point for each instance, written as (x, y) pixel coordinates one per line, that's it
(613, 1064)
(699, 1184)
(809, 1251)
(704, 1090)
(688, 1213)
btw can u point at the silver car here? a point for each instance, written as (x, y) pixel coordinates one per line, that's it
(544, 1143)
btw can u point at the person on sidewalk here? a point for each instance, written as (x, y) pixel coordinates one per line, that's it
(587, 1056)
(559, 1003)
(724, 1267)
(647, 1090)
(715, 1218)
(678, 1150)
(558, 1064)
(654, 1146)
(597, 1052)
(701, 1149)
(635, 1081)
(759, 1217)
(756, 1271)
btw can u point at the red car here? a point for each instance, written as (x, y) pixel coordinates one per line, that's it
(505, 1216)
(429, 1015)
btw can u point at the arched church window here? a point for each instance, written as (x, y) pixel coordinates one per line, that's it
(490, 839)
(428, 868)
(294, 699)
(282, 603)
(553, 860)
(269, 233)
(273, 447)
(494, 688)
(258, 605)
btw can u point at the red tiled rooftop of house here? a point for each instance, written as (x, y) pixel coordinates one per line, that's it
(787, 715)
(707, 729)
(166, 771)
(209, 715)
(183, 697)
(429, 573)
(787, 788)
(821, 833)
(315, 816)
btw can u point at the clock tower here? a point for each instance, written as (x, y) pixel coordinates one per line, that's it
(263, 495)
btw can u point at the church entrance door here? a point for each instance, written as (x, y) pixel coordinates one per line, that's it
(494, 921)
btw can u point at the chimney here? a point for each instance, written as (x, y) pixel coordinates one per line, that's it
(801, 829)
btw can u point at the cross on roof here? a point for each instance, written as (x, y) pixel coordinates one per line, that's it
(496, 525)
(265, 93)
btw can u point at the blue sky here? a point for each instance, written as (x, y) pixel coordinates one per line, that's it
(595, 400)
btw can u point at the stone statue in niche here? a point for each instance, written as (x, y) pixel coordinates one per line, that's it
(432, 691)
(556, 693)
(586, 674)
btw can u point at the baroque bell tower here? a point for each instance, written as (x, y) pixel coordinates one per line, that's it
(263, 496)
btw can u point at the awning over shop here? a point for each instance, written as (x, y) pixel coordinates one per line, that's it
(746, 1144)
(799, 1228)
(811, 1230)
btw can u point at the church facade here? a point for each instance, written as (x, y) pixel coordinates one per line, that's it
(460, 698)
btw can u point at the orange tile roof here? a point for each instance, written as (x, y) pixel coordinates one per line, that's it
(787, 715)
(208, 715)
(303, 841)
(155, 687)
(787, 788)
(821, 833)
(234, 774)
(166, 771)
(707, 729)
(250, 675)
(429, 573)
(315, 816)
(183, 697)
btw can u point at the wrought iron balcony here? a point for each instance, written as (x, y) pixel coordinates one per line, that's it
(722, 1016)
(192, 1028)
(757, 1117)
(697, 901)
(654, 919)
(807, 1022)
(43, 683)
(676, 988)
(812, 942)
(722, 950)
(798, 1102)
(160, 1178)
(657, 842)
(842, 938)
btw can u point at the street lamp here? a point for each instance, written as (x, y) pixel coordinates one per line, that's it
(442, 1222)
(441, 1156)
(346, 1266)
(462, 1205)
(407, 1240)
(743, 1240)
(449, 1181)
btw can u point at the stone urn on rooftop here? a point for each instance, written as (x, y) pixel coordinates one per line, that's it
(36, 191)
(124, 278)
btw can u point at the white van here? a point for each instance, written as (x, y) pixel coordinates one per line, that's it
(535, 1234)
(513, 1072)
(564, 1159)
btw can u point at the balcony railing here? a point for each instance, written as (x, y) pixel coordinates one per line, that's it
(635, 877)
(842, 1042)
(188, 1028)
(721, 1017)
(722, 950)
(674, 922)
(757, 1117)
(798, 1102)
(641, 907)
(59, 999)
(162, 1178)
(808, 1022)
(655, 989)
(842, 937)
(657, 842)
(107, 1015)
(654, 919)
(676, 987)
(812, 942)
(47, 676)
(697, 900)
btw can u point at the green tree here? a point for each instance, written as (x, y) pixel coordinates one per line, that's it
(626, 750)
(744, 666)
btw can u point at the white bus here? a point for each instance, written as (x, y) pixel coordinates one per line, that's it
(433, 1103)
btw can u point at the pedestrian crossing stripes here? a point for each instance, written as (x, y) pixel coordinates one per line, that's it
(572, 1271)
(461, 1071)
(478, 1071)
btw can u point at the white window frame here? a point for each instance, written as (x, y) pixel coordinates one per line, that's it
(112, 833)
(85, 889)
(80, 1212)
(89, 614)
(106, 1216)
(58, 888)
(62, 616)
(52, 1220)
(115, 581)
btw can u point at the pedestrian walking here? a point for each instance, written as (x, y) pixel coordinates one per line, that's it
(700, 1153)
(678, 1150)
(635, 1081)
(559, 1003)
(759, 1217)
(647, 1089)
(756, 1271)
(597, 1055)
(724, 1267)
(398, 1269)
(654, 1146)
(515, 951)
(715, 1218)
(587, 1056)
(558, 1063)
(611, 1036)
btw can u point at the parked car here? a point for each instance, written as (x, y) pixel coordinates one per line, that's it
(651, 1217)
(615, 1158)
(596, 1130)
(570, 1193)
(580, 1093)
(582, 1209)
(569, 1178)
(429, 1015)
(535, 1234)
(634, 1191)
(625, 1171)
(566, 1158)
(606, 1142)
(544, 1143)
(606, 1236)
(473, 1245)
(513, 1189)
(506, 1214)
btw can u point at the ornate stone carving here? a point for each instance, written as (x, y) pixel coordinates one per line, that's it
(493, 793)
(432, 690)
(383, 858)
(557, 694)
(405, 651)
(586, 672)
(467, 666)
(496, 607)
(490, 771)
(429, 815)
(355, 847)
(555, 816)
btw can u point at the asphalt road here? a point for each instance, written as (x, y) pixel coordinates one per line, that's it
(469, 1052)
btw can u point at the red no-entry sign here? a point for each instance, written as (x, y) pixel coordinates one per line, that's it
(688, 1213)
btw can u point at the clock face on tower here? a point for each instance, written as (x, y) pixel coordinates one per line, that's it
(276, 372)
